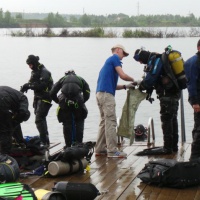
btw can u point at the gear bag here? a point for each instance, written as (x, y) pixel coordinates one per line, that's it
(30, 157)
(171, 173)
(71, 159)
(9, 169)
(78, 191)
(79, 151)
(174, 67)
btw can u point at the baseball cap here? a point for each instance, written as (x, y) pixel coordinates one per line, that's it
(121, 47)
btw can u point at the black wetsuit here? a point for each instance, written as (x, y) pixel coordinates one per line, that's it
(13, 111)
(72, 111)
(169, 94)
(41, 83)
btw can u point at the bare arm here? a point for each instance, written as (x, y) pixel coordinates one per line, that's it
(122, 75)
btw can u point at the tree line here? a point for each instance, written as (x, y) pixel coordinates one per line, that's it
(51, 20)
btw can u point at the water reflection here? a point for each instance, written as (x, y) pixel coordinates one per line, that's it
(86, 56)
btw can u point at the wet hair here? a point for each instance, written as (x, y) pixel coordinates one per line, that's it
(32, 60)
(71, 71)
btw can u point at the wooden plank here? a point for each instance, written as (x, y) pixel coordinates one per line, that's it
(117, 178)
(129, 169)
(145, 191)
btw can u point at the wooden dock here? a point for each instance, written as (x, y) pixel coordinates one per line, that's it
(116, 178)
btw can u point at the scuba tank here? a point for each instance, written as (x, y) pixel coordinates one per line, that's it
(57, 168)
(42, 194)
(177, 66)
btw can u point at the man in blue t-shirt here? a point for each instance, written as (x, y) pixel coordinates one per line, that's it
(105, 94)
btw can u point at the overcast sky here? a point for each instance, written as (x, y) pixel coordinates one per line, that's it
(104, 7)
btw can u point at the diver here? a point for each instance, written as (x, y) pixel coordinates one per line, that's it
(41, 83)
(72, 110)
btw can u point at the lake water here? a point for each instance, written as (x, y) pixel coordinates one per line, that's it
(86, 56)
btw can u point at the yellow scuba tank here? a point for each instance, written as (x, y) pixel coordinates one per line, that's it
(176, 62)
(177, 66)
(43, 194)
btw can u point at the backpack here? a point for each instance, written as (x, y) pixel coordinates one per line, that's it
(171, 173)
(79, 151)
(174, 67)
(9, 169)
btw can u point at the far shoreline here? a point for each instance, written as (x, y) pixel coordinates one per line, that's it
(99, 32)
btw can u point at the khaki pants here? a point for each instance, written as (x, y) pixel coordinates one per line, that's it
(107, 137)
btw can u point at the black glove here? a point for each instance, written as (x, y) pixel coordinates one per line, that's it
(149, 93)
(141, 86)
(149, 98)
(25, 87)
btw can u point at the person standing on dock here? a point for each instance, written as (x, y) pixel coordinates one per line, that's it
(167, 92)
(41, 83)
(105, 95)
(72, 111)
(13, 111)
(192, 71)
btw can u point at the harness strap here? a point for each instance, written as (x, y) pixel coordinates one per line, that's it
(177, 59)
(155, 67)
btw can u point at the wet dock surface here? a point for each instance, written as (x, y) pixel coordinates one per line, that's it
(116, 178)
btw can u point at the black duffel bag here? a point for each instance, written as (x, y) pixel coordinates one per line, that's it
(171, 173)
(77, 191)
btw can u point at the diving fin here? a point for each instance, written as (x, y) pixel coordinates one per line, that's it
(10, 189)
(15, 190)
(9, 184)
(154, 151)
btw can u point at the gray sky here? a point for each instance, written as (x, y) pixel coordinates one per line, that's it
(104, 7)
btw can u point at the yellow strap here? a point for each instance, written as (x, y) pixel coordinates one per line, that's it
(57, 111)
(177, 59)
(46, 101)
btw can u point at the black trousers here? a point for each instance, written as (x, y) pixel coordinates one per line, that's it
(168, 115)
(17, 133)
(195, 149)
(73, 132)
(73, 124)
(6, 131)
(41, 111)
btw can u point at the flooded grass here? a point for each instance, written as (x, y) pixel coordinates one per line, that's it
(101, 33)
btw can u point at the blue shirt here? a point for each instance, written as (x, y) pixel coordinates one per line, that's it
(192, 72)
(108, 76)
